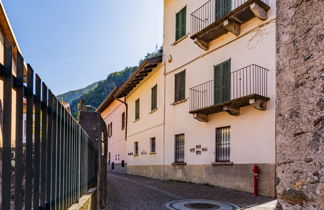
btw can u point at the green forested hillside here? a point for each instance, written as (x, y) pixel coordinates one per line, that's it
(95, 93)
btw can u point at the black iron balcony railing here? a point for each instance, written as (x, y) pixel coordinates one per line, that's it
(248, 81)
(207, 20)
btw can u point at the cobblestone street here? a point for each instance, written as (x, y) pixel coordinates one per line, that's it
(127, 192)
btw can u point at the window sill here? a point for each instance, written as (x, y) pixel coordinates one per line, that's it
(179, 40)
(154, 110)
(136, 120)
(222, 163)
(179, 102)
(136, 155)
(179, 164)
(152, 153)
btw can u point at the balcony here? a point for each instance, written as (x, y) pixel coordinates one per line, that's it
(218, 17)
(247, 86)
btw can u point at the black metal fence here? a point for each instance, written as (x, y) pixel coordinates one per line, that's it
(252, 79)
(56, 163)
(213, 10)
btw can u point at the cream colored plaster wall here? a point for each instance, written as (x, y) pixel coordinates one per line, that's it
(253, 132)
(117, 142)
(150, 123)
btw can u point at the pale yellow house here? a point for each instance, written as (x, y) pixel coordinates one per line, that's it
(144, 94)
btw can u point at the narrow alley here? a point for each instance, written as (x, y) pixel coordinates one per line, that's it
(128, 192)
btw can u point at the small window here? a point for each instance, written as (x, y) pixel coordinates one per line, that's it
(179, 148)
(180, 86)
(152, 145)
(154, 98)
(110, 129)
(135, 148)
(223, 144)
(181, 18)
(137, 109)
(123, 121)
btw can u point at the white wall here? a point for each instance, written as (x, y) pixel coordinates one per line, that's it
(117, 142)
(253, 132)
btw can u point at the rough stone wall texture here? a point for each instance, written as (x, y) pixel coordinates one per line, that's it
(300, 103)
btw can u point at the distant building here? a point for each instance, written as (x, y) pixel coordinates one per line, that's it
(113, 113)
(66, 106)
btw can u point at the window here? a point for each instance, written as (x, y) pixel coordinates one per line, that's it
(179, 148)
(137, 109)
(222, 82)
(180, 86)
(223, 144)
(154, 98)
(152, 145)
(110, 129)
(123, 121)
(135, 148)
(181, 23)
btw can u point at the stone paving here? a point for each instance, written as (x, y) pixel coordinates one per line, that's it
(128, 192)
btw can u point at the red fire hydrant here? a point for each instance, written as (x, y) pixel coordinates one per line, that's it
(256, 172)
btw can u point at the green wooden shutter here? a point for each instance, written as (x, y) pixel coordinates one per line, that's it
(222, 82)
(181, 23)
(154, 98)
(176, 87)
(182, 88)
(137, 109)
(227, 81)
(218, 93)
(222, 8)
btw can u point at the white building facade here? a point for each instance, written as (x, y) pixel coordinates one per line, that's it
(215, 115)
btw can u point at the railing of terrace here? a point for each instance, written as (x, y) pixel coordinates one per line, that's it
(250, 80)
(57, 162)
(213, 10)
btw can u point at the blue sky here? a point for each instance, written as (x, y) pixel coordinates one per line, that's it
(73, 43)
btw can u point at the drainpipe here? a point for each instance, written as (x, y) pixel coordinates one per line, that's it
(126, 115)
(164, 111)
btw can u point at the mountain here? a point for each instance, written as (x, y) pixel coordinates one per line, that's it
(95, 93)
(75, 94)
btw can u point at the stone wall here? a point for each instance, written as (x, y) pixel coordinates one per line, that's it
(237, 176)
(300, 103)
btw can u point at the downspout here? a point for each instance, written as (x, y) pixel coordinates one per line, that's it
(126, 115)
(164, 112)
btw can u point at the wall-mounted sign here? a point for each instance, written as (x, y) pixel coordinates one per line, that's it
(129, 154)
(204, 149)
(198, 152)
(198, 146)
(192, 150)
(143, 153)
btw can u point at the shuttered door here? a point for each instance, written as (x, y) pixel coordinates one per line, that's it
(222, 82)
(222, 7)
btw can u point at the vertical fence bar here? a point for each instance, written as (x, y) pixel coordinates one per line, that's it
(19, 132)
(54, 153)
(7, 107)
(29, 139)
(37, 142)
(43, 146)
(49, 150)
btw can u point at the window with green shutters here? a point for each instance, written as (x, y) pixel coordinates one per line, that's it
(180, 86)
(137, 109)
(222, 8)
(154, 98)
(181, 18)
(222, 82)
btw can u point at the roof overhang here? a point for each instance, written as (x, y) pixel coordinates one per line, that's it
(108, 100)
(142, 71)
